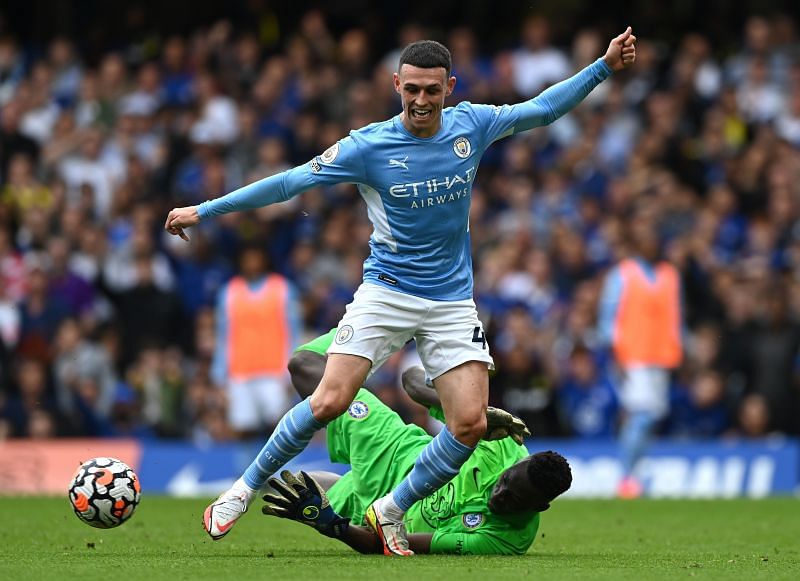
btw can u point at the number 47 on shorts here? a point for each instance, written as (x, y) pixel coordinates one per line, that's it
(478, 336)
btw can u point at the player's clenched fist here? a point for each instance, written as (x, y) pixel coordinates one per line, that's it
(180, 218)
(621, 53)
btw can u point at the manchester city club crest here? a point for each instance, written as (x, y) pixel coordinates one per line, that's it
(462, 147)
(330, 154)
(472, 520)
(344, 334)
(358, 410)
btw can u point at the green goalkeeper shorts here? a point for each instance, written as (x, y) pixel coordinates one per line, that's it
(380, 448)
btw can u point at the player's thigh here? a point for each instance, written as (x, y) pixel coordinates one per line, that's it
(464, 393)
(377, 323)
(450, 336)
(344, 374)
(243, 407)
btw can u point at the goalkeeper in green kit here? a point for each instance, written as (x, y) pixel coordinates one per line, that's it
(491, 507)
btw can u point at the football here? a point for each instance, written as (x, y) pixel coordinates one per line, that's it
(104, 492)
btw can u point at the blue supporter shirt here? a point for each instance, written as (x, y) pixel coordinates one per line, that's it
(417, 190)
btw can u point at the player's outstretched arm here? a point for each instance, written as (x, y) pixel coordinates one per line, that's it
(340, 163)
(270, 190)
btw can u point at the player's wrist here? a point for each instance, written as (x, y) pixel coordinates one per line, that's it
(606, 63)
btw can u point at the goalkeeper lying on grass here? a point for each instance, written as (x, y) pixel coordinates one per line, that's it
(491, 507)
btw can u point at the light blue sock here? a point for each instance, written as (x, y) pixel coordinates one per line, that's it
(289, 439)
(438, 463)
(634, 437)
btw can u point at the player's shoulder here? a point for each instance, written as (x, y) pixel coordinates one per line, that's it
(466, 111)
(372, 131)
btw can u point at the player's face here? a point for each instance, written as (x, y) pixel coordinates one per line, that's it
(423, 92)
(513, 493)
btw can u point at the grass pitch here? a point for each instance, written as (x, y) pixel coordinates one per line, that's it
(736, 539)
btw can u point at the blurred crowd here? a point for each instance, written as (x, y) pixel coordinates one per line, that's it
(107, 325)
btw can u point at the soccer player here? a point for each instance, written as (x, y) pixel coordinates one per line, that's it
(641, 318)
(415, 172)
(491, 506)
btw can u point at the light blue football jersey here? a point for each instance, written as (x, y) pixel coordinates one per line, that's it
(417, 190)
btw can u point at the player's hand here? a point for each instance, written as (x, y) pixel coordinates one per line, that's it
(501, 424)
(621, 53)
(300, 498)
(180, 218)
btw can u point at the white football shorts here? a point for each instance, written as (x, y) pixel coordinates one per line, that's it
(645, 389)
(380, 321)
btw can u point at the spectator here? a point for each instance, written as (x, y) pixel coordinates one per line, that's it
(164, 324)
(41, 312)
(32, 400)
(699, 411)
(83, 376)
(537, 63)
(587, 400)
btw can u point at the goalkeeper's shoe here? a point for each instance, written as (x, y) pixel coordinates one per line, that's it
(222, 514)
(392, 533)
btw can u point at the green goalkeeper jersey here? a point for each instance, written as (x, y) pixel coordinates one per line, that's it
(381, 450)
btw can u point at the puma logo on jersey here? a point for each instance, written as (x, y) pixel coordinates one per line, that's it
(399, 162)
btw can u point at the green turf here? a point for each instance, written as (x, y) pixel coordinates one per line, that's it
(42, 539)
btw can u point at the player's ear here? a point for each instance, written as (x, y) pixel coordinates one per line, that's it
(396, 80)
(451, 84)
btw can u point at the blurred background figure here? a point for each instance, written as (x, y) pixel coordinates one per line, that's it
(641, 320)
(257, 329)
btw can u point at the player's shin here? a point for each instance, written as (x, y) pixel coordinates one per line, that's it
(439, 462)
(289, 439)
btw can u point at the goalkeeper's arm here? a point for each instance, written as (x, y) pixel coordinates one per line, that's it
(416, 387)
(364, 540)
(500, 423)
(302, 498)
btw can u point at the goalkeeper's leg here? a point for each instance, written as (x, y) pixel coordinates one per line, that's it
(343, 376)
(464, 392)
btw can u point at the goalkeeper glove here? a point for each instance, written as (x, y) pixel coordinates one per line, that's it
(300, 498)
(501, 424)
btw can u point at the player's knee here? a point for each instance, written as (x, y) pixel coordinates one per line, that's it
(469, 431)
(328, 403)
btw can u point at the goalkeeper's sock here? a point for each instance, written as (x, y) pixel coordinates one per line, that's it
(439, 462)
(289, 439)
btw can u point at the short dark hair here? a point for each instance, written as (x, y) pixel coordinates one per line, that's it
(550, 473)
(426, 54)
